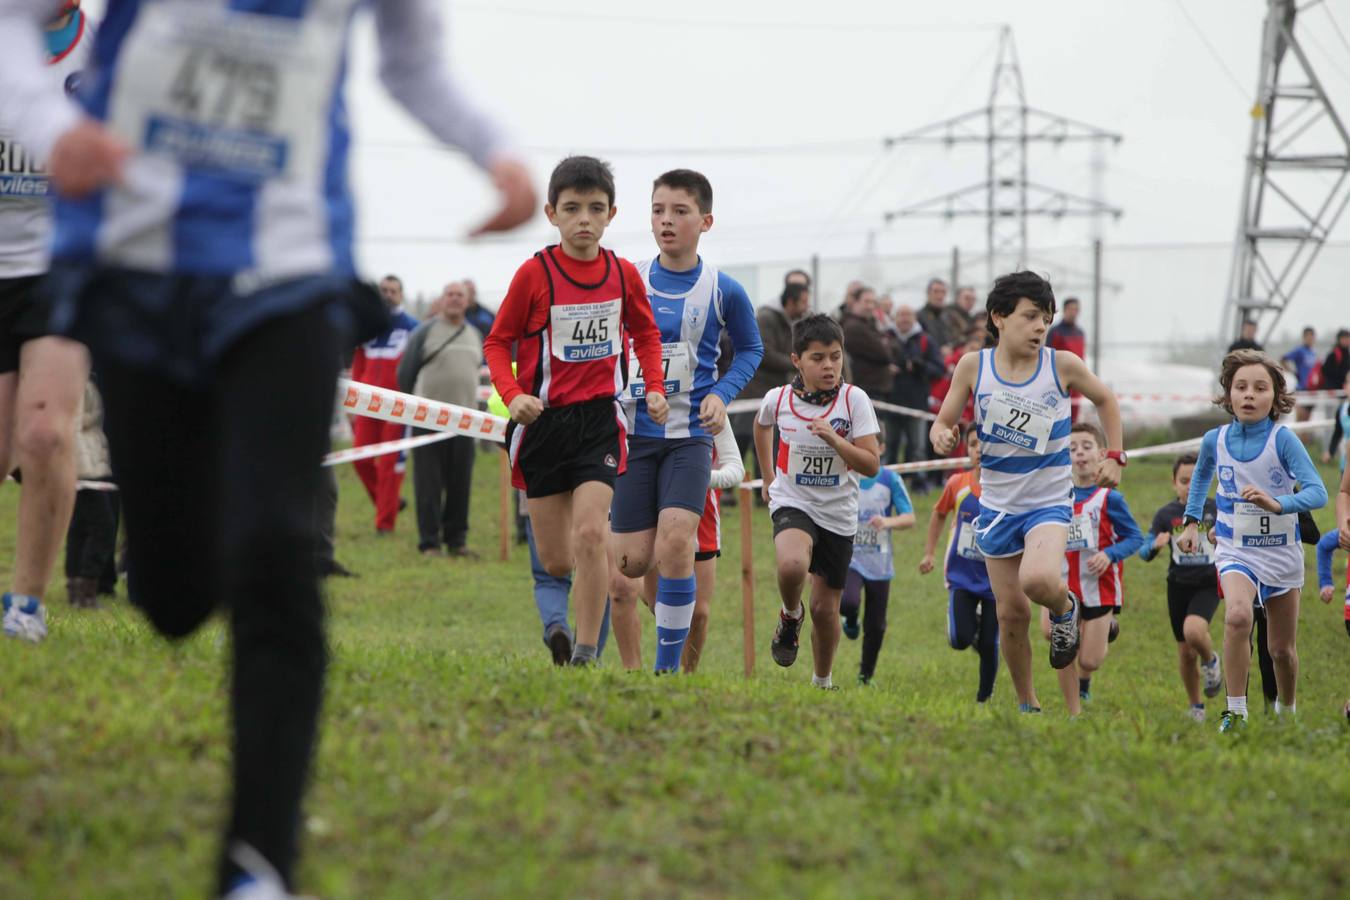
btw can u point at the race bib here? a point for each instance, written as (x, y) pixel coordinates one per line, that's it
(1204, 554)
(1255, 527)
(815, 465)
(586, 331)
(20, 174)
(238, 94)
(1019, 421)
(675, 371)
(1082, 533)
(966, 548)
(867, 539)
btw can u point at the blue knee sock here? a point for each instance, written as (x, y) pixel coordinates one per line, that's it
(674, 612)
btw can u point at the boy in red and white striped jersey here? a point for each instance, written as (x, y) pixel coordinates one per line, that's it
(1102, 535)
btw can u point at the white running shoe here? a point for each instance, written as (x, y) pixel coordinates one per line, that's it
(260, 881)
(1197, 713)
(25, 617)
(1213, 675)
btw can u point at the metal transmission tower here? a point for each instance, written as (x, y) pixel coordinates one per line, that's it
(1297, 183)
(1007, 197)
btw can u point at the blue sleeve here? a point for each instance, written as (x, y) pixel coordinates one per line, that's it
(1326, 548)
(1202, 475)
(1128, 536)
(739, 315)
(899, 496)
(1312, 493)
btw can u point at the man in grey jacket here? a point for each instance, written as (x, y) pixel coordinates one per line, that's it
(441, 363)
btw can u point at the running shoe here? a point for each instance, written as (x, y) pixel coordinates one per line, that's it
(24, 618)
(1212, 672)
(1197, 713)
(1027, 708)
(1064, 637)
(851, 629)
(1084, 696)
(1231, 721)
(784, 646)
(1114, 632)
(559, 644)
(258, 881)
(864, 680)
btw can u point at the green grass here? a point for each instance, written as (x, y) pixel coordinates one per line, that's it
(455, 760)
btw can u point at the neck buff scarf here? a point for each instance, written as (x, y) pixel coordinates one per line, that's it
(815, 398)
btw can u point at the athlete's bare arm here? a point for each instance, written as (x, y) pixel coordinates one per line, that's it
(945, 433)
(1074, 375)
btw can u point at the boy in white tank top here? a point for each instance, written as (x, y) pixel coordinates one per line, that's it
(827, 433)
(1022, 410)
(1259, 557)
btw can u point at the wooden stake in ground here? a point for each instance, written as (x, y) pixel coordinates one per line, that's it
(504, 502)
(748, 580)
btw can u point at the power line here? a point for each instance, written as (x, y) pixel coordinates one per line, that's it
(753, 24)
(1213, 52)
(809, 148)
(1335, 25)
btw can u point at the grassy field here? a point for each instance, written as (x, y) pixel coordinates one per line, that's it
(457, 761)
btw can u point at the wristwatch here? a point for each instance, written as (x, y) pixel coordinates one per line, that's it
(1189, 520)
(1119, 456)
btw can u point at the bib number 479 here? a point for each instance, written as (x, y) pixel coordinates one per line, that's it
(225, 90)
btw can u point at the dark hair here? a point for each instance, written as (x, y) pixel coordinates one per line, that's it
(1284, 401)
(792, 293)
(816, 328)
(1010, 288)
(1074, 300)
(933, 281)
(581, 174)
(395, 279)
(1185, 459)
(694, 183)
(1092, 429)
(802, 272)
(1308, 329)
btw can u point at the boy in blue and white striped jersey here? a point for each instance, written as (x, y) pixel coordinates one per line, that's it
(1022, 410)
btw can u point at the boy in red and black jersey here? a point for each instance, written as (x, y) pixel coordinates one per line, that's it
(569, 315)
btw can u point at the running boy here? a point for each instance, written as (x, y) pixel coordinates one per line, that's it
(1258, 555)
(827, 436)
(1021, 390)
(569, 314)
(1326, 549)
(658, 501)
(1102, 536)
(972, 619)
(883, 506)
(1192, 588)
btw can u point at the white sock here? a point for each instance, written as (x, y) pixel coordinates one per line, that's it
(801, 611)
(1238, 705)
(826, 682)
(1281, 709)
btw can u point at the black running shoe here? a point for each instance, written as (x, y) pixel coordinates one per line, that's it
(1064, 637)
(1114, 632)
(784, 646)
(559, 644)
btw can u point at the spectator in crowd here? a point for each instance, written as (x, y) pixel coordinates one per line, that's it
(91, 540)
(1307, 370)
(1248, 339)
(1066, 335)
(376, 363)
(775, 369)
(979, 325)
(885, 311)
(871, 355)
(960, 316)
(930, 318)
(938, 393)
(1337, 364)
(919, 365)
(478, 316)
(441, 362)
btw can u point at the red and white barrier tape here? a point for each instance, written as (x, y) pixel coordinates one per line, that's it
(744, 406)
(1301, 398)
(352, 454)
(407, 409)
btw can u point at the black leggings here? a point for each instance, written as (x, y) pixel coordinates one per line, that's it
(218, 486)
(972, 619)
(1264, 661)
(877, 595)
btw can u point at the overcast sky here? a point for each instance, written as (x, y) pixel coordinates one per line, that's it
(651, 86)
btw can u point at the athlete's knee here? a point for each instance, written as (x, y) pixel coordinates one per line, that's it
(1042, 588)
(1238, 617)
(700, 620)
(174, 610)
(589, 536)
(632, 564)
(675, 543)
(1014, 616)
(959, 640)
(1282, 652)
(792, 570)
(1187, 654)
(1090, 661)
(556, 563)
(824, 607)
(44, 437)
(1195, 630)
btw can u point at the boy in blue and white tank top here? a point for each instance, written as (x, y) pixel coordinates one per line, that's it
(659, 500)
(203, 252)
(1022, 411)
(1258, 554)
(883, 507)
